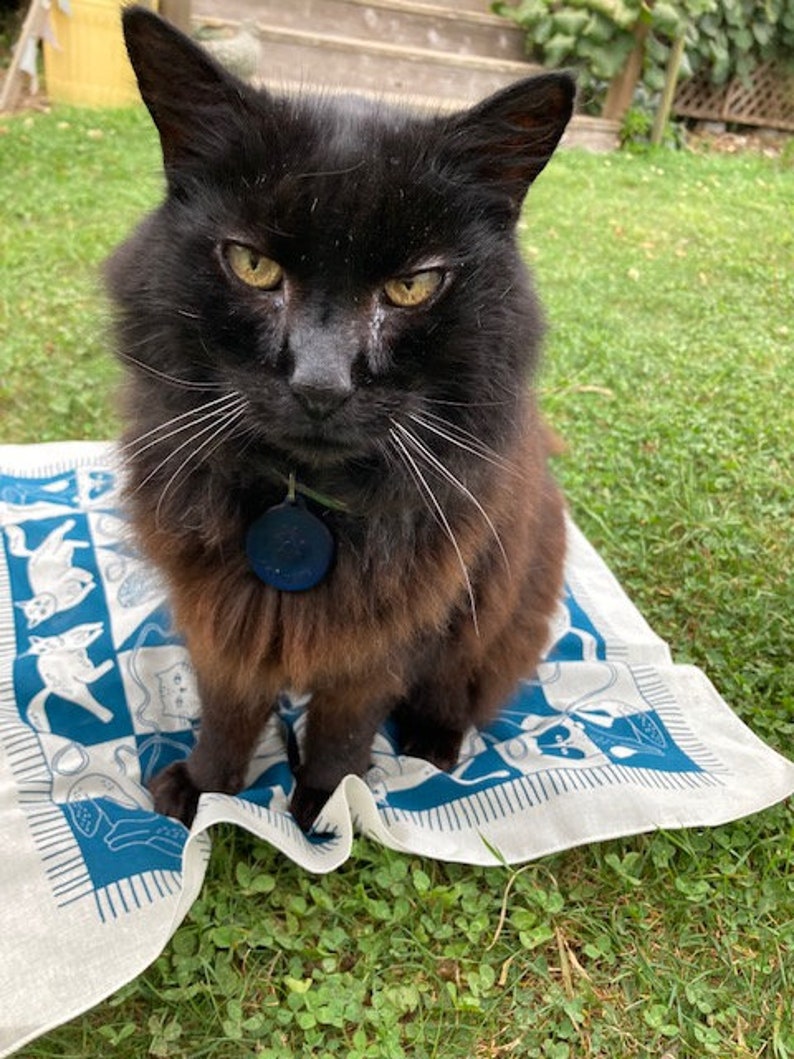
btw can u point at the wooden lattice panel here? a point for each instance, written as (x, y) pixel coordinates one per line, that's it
(766, 98)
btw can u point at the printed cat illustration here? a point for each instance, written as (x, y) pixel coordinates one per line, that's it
(57, 584)
(66, 671)
(33, 499)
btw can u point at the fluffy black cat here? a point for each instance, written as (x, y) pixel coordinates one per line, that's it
(327, 326)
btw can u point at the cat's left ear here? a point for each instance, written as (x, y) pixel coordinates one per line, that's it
(194, 102)
(506, 140)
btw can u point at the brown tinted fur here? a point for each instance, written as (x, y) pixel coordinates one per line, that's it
(364, 640)
(358, 625)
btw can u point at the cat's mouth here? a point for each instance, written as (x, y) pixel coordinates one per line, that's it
(316, 444)
(347, 431)
(315, 451)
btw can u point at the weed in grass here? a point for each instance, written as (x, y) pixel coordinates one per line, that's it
(668, 284)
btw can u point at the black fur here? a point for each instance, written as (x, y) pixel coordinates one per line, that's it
(448, 518)
(344, 194)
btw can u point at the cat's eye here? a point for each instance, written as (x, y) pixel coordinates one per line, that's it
(253, 268)
(407, 292)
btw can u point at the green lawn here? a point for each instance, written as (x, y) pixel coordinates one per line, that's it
(669, 284)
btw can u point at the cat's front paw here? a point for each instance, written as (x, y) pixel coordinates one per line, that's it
(306, 804)
(440, 746)
(175, 794)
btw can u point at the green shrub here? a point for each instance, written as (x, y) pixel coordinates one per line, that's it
(724, 38)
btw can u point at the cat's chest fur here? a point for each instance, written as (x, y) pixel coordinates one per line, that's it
(397, 581)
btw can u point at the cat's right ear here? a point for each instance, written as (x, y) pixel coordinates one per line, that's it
(506, 140)
(193, 101)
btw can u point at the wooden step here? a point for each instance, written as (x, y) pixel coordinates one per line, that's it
(439, 54)
(464, 7)
(311, 58)
(407, 23)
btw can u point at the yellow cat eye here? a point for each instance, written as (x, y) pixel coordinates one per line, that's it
(253, 268)
(406, 292)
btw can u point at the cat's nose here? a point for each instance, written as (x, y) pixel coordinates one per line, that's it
(319, 401)
(321, 356)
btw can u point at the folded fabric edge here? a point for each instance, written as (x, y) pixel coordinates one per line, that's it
(55, 456)
(194, 865)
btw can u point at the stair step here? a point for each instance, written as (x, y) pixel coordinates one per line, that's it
(439, 54)
(465, 7)
(407, 23)
(273, 12)
(315, 58)
(383, 49)
(480, 14)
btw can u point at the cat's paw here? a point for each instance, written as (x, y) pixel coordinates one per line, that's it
(439, 746)
(306, 804)
(175, 794)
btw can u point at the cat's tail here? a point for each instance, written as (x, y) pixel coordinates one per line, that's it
(17, 545)
(36, 714)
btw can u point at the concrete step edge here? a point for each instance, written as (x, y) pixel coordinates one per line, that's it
(436, 11)
(396, 51)
(406, 7)
(322, 41)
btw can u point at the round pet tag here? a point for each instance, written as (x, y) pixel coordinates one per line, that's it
(290, 548)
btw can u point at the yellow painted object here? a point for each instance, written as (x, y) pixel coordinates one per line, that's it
(90, 65)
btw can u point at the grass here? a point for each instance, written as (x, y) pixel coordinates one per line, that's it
(669, 284)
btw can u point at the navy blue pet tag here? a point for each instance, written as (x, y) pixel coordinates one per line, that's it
(290, 548)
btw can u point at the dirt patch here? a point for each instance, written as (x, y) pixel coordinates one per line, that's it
(771, 143)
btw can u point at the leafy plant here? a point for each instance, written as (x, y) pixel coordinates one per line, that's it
(637, 122)
(733, 37)
(594, 36)
(724, 38)
(635, 127)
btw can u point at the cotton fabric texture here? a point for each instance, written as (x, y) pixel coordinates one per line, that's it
(97, 694)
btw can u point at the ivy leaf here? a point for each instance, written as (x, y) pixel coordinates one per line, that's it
(762, 32)
(667, 20)
(571, 22)
(559, 48)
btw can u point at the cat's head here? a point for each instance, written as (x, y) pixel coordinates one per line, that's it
(38, 609)
(322, 266)
(78, 638)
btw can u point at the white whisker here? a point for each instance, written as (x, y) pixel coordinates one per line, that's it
(225, 413)
(466, 404)
(435, 463)
(187, 384)
(217, 433)
(425, 488)
(467, 442)
(187, 419)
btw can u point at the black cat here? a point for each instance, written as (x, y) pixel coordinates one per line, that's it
(333, 450)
